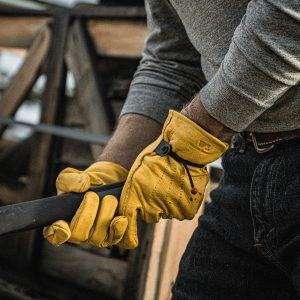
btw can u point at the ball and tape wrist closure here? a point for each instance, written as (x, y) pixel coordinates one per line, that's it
(165, 148)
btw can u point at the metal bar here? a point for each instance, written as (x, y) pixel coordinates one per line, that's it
(43, 212)
(60, 131)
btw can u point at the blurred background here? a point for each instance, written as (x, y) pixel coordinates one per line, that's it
(68, 64)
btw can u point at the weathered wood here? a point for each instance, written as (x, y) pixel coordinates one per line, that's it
(83, 10)
(52, 95)
(22, 82)
(81, 60)
(12, 194)
(28, 285)
(104, 275)
(121, 38)
(19, 32)
(41, 161)
(153, 275)
(138, 263)
(12, 156)
(102, 11)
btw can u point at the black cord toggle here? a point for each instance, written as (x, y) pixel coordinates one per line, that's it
(165, 148)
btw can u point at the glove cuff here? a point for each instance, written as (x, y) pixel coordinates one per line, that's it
(190, 141)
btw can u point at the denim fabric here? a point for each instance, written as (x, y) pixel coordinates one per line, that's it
(247, 243)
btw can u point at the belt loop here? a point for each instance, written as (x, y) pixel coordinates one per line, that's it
(256, 146)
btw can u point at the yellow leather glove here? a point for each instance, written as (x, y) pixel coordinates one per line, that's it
(94, 221)
(169, 177)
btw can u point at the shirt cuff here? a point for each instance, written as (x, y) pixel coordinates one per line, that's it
(154, 103)
(229, 107)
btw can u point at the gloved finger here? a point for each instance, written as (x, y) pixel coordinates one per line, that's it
(83, 221)
(106, 213)
(130, 238)
(72, 180)
(57, 233)
(116, 173)
(117, 230)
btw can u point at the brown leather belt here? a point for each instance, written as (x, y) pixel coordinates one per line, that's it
(264, 142)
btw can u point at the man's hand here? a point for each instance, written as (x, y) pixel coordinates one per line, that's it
(168, 178)
(94, 222)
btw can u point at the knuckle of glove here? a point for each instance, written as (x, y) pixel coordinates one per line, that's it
(72, 182)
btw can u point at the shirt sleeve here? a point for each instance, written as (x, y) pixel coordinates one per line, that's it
(262, 63)
(169, 74)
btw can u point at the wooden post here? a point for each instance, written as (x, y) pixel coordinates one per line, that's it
(22, 82)
(81, 59)
(41, 161)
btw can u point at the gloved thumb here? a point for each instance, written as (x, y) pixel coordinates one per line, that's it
(57, 233)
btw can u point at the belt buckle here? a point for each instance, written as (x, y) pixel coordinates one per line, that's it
(257, 147)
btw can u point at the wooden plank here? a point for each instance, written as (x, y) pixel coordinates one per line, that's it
(52, 95)
(112, 37)
(81, 10)
(41, 163)
(109, 11)
(19, 32)
(121, 38)
(10, 195)
(32, 286)
(22, 82)
(139, 259)
(12, 156)
(102, 274)
(81, 60)
(152, 277)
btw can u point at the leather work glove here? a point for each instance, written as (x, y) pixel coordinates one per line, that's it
(94, 221)
(169, 177)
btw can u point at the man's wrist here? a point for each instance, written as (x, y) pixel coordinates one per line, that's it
(133, 134)
(196, 112)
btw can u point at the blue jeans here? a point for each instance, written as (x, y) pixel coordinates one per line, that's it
(247, 243)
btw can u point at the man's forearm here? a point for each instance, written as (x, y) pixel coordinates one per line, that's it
(134, 132)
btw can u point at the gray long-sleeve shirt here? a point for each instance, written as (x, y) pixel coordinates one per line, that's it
(243, 56)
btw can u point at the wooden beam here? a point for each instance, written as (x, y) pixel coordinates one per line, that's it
(103, 11)
(41, 162)
(12, 194)
(12, 156)
(19, 32)
(81, 60)
(52, 95)
(83, 10)
(94, 272)
(22, 82)
(121, 38)
(139, 261)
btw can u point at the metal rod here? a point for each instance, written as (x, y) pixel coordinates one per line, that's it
(64, 132)
(43, 212)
